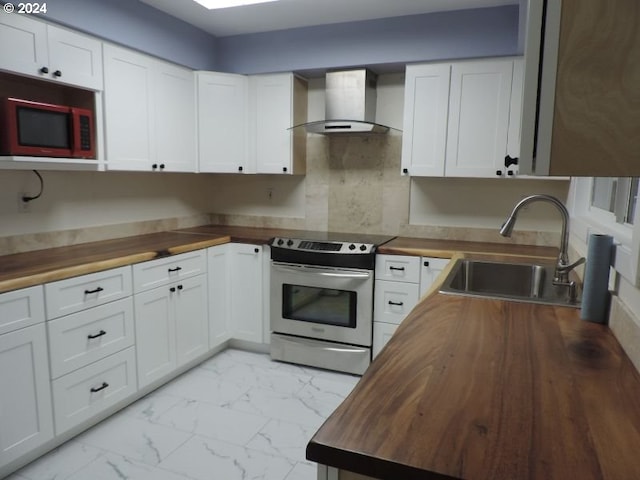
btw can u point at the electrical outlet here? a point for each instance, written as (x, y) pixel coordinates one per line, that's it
(23, 207)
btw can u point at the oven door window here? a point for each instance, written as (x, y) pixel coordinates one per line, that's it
(319, 305)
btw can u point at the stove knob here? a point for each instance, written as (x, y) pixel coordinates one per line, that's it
(352, 247)
(289, 242)
(280, 241)
(363, 248)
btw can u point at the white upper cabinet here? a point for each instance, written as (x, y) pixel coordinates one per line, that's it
(276, 103)
(48, 52)
(222, 123)
(458, 119)
(478, 123)
(129, 109)
(149, 113)
(426, 108)
(175, 122)
(580, 114)
(244, 123)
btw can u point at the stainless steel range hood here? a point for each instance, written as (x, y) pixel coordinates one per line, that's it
(350, 104)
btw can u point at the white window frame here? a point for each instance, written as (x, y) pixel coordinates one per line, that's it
(586, 219)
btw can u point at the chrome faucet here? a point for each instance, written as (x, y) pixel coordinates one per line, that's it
(563, 267)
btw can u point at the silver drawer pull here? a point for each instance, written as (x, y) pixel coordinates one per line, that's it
(101, 387)
(99, 334)
(95, 290)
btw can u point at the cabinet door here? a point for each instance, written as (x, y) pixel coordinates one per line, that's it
(426, 105)
(192, 319)
(272, 110)
(155, 334)
(246, 292)
(129, 109)
(429, 271)
(382, 333)
(222, 122)
(24, 45)
(25, 403)
(74, 58)
(175, 129)
(219, 295)
(515, 115)
(478, 118)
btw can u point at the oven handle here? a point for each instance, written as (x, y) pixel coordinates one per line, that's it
(324, 273)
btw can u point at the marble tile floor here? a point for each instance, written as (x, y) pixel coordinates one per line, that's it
(238, 415)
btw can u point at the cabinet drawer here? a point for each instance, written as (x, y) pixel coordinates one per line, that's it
(85, 337)
(399, 268)
(21, 308)
(156, 273)
(84, 393)
(79, 293)
(394, 300)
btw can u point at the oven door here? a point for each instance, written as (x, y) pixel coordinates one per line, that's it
(327, 303)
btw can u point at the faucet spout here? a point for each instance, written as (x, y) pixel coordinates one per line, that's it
(563, 267)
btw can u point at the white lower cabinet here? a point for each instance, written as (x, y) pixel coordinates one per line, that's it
(155, 335)
(382, 333)
(192, 319)
(219, 295)
(172, 320)
(400, 282)
(246, 315)
(396, 293)
(101, 344)
(171, 327)
(86, 392)
(25, 395)
(430, 268)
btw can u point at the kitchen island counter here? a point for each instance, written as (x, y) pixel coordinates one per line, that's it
(481, 389)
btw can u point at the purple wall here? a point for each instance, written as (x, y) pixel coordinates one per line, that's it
(137, 25)
(399, 40)
(386, 43)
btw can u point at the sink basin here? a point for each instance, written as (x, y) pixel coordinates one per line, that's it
(523, 282)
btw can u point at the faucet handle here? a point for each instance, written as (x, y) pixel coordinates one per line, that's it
(568, 268)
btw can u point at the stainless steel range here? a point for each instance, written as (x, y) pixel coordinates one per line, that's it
(322, 299)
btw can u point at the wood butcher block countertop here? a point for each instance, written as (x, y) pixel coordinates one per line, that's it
(480, 389)
(33, 268)
(446, 248)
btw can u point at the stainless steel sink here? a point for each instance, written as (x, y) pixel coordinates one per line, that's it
(522, 282)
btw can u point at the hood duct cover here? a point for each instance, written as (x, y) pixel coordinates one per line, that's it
(350, 104)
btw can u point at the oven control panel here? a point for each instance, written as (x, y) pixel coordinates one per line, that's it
(323, 247)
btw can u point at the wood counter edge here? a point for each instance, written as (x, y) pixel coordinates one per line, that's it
(445, 253)
(92, 267)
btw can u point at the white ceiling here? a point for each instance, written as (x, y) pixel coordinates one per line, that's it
(285, 14)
